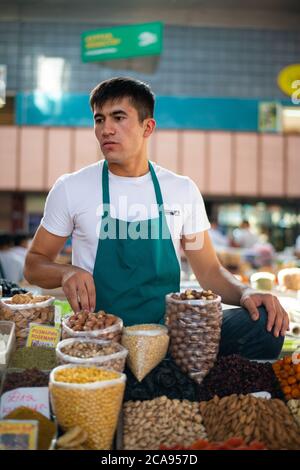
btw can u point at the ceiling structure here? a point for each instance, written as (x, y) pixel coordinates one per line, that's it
(282, 14)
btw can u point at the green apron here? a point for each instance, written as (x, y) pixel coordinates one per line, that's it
(133, 276)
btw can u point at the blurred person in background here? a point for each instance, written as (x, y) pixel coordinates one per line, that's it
(217, 237)
(244, 237)
(21, 245)
(11, 264)
(297, 247)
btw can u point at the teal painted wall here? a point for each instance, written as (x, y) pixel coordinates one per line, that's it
(230, 114)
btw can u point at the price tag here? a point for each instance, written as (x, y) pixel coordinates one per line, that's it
(18, 435)
(43, 336)
(36, 398)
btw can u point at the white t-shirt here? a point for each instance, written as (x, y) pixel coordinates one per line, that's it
(74, 207)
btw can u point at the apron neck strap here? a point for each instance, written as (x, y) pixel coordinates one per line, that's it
(105, 185)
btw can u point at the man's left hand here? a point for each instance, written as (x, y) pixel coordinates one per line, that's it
(277, 316)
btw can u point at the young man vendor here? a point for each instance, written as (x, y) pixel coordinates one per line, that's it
(128, 217)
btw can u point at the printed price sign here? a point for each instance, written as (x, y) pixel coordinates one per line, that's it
(18, 435)
(36, 398)
(43, 336)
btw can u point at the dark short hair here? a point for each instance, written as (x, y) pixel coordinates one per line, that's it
(139, 93)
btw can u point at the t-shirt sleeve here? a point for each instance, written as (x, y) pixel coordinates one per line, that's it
(195, 217)
(57, 218)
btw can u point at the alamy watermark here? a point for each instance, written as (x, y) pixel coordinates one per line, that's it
(138, 221)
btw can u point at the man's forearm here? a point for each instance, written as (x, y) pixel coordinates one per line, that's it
(222, 282)
(44, 273)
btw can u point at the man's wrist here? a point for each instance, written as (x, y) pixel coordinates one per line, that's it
(245, 290)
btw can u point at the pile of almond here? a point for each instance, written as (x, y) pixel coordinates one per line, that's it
(251, 418)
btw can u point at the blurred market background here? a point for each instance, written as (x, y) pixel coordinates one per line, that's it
(227, 80)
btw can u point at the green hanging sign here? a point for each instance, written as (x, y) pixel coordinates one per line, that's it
(122, 42)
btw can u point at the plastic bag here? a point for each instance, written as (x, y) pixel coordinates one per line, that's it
(111, 333)
(115, 360)
(94, 405)
(195, 331)
(147, 346)
(24, 314)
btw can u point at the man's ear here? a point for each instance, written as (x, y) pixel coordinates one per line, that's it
(149, 126)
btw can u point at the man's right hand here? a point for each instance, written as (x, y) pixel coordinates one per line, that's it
(42, 270)
(79, 288)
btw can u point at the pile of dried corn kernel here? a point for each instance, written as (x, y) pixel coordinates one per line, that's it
(93, 404)
(84, 375)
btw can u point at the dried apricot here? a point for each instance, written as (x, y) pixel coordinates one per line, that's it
(295, 393)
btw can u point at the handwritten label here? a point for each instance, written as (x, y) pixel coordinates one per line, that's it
(36, 398)
(43, 336)
(18, 435)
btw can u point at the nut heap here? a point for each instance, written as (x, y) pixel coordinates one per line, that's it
(99, 325)
(194, 321)
(105, 354)
(28, 298)
(251, 418)
(147, 345)
(93, 404)
(294, 407)
(195, 295)
(161, 421)
(15, 310)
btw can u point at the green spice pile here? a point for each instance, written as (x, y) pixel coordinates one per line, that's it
(41, 358)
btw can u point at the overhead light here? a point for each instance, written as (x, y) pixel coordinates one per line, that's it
(50, 76)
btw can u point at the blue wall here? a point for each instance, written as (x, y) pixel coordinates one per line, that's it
(230, 114)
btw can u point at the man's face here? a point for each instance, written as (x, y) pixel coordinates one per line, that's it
(118, 130)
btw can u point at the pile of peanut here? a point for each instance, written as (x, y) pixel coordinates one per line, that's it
(161, 421)
(145, 351)
(94, 407)
(294, 407)
(23, 317)
(82, 322)
(110, 355)
(251, 418)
